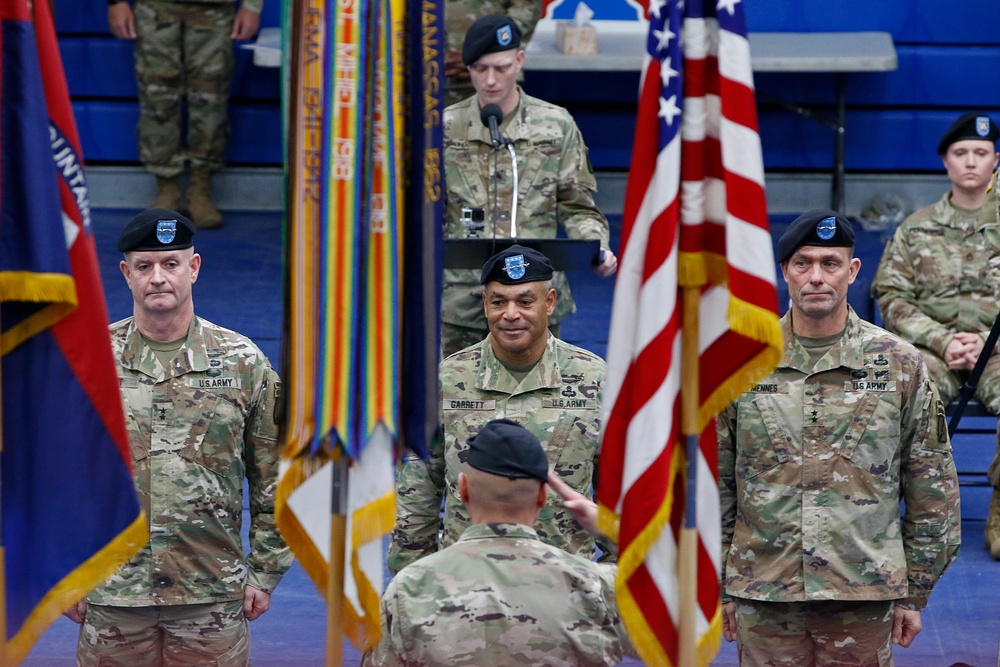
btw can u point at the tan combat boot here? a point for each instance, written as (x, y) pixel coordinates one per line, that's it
(168, 194)
(992, 537)
(200, 206)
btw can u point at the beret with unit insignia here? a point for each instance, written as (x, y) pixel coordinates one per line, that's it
(515, 265)
(157, 229)
(821, 227)
(490, 34)
(970, 125)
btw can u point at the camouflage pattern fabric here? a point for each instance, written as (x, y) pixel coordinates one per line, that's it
(196, 429)
(794, 634)
(940, 274)
(183, 51)
(556, 187)
(459, 15)
(500, 596)
(559, 401)
(813, 463)
(202, 634)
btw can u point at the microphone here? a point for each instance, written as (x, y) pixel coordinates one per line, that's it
(492, 116)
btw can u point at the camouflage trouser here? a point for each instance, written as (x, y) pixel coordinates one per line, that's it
(814, 634)
(183, 51)
(188, 635)
(455, 338)
(987, 392)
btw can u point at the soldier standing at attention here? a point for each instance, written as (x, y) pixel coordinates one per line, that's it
(499, 595)
(459, 15)
(555, 181)
(938, 283)
(819, 566)
(520, 372)
(200, 411)
(184, 53)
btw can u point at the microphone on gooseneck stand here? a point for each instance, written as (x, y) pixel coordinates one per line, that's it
(492, 116)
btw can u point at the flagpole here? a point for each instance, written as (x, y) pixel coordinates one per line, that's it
(3, 562)
(335, 573)
(687, 550)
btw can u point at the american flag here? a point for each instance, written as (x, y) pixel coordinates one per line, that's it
(696, 288)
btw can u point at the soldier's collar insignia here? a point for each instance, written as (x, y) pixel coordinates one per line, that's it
(515, 266)
(504, 35)
(826, 228)
(982, 125)
(166, 230)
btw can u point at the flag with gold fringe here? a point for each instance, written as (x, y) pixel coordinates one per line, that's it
(351, 346)
(694, 323)
(70, 514)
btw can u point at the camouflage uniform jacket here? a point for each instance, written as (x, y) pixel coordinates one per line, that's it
(813, 464)
(500, 596)
(196, 430)
(559, 401)
(940, 274)
(556, 186)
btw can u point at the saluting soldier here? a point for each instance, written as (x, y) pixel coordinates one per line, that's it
(819, 566)
(500, 596)
(519, 372)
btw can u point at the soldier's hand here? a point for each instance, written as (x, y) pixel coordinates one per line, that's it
(77, 612)
(906, 624)
(255, 603)
(608, 266)
(956, 354)
(729, 621)
(583, 509)
(245, 24)
(121, 20)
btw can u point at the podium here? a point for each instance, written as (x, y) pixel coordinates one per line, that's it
(565, 254)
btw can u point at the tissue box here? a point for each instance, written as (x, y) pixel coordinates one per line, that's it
(576, 40)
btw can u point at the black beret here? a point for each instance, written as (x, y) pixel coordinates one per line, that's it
(157, 229)
(489, 34)
(821, 227)
(970, 125)
(503, 447)
(516, 265)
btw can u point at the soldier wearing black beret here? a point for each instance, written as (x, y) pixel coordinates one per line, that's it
(831, 452)
(937, 282)
(203, 399)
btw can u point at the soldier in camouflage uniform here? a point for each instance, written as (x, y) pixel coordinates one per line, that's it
(184, 52)
(938, 283)
(555, 182)
(519, 372)
(459, 15)
(819, 566)
(200, 411)
(499, 595)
